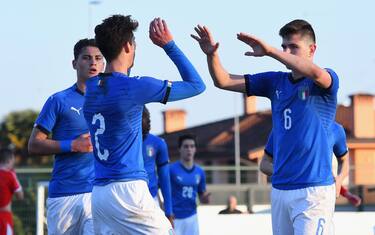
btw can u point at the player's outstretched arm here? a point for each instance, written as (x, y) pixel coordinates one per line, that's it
(192, 83)
(19, 194)
(302, 65)
(266, 164)
(165, 186)
(342, 172)
(40, 144)
(221, 78)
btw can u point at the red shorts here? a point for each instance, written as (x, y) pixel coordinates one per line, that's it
(6, 223)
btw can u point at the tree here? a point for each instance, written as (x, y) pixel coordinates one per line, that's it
(15, 131)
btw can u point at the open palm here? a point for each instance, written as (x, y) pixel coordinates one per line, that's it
(259, 47)
(205, 40)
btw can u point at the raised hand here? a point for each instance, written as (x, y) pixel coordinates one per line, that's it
(82, 144)
(205, 40)
(159, 32)
(259, 47)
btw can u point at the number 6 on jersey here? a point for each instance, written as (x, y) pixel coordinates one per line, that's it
(99, 117)
(287, 119)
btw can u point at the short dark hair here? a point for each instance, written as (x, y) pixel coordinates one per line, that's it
(184, 137)
(298, 27)
(113, 33)
(82, 44)
(146, 123)
(6, 155)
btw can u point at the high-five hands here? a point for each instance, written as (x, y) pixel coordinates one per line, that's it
(259, 47)
(209, 46)
(159, 32)
(205, 40)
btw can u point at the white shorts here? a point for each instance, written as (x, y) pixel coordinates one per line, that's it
(303, 211)
(186, 226)
(127, 208)
(156, 200)
(70, 215)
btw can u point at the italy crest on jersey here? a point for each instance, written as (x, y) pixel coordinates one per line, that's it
(150, 151)
(303, 92)
(197, 179)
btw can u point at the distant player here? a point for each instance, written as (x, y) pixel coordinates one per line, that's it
(69, 191)
(231, 206)
(9, 186)
(303, 110)
(340, 150)
(188, 181)
(121, 201)
(156, 160)
(341, 169)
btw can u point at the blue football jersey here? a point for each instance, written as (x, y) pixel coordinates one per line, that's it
(155, 154)
(113, 109)
(339, 140)
(186, 185)
(269, 145)
(302, 115)
(73, 173)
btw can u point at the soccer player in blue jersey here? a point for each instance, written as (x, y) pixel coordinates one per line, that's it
(340, 149)
(156, 161)
(303, 110)
(69, 191)
(121, 201)
(188, 180)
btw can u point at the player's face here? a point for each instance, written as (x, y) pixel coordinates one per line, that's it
(298, 45)
(232, 203)
(187, 150)
(89, 62)
(146, 122)
(11, 162)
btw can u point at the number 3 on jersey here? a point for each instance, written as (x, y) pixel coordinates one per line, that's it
(99, 117)
(287, 119)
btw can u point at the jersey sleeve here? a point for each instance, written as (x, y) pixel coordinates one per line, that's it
(48, 116)
(340, 148)
(192, 83)
(333, 88)
(148, 89)
(269, 145)
(15, 185)
(202, 183)
(260, 84)
(162, 156)
(165, 186)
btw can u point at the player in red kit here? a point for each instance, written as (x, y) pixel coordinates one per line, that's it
(9, 186)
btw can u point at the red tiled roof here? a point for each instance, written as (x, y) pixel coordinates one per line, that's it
(217, 139)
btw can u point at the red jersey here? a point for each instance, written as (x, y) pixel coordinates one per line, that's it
(8, 185)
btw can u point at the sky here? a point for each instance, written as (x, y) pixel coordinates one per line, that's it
(37, 39)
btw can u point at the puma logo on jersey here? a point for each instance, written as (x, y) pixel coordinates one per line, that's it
(278, 92)
(179, 178)
(77, 110)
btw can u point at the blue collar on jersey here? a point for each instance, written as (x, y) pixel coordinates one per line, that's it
(185, 169)
(294, 81)
(103, 77)
(78, 90)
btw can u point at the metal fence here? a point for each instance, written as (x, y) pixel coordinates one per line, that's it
(25, 211)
